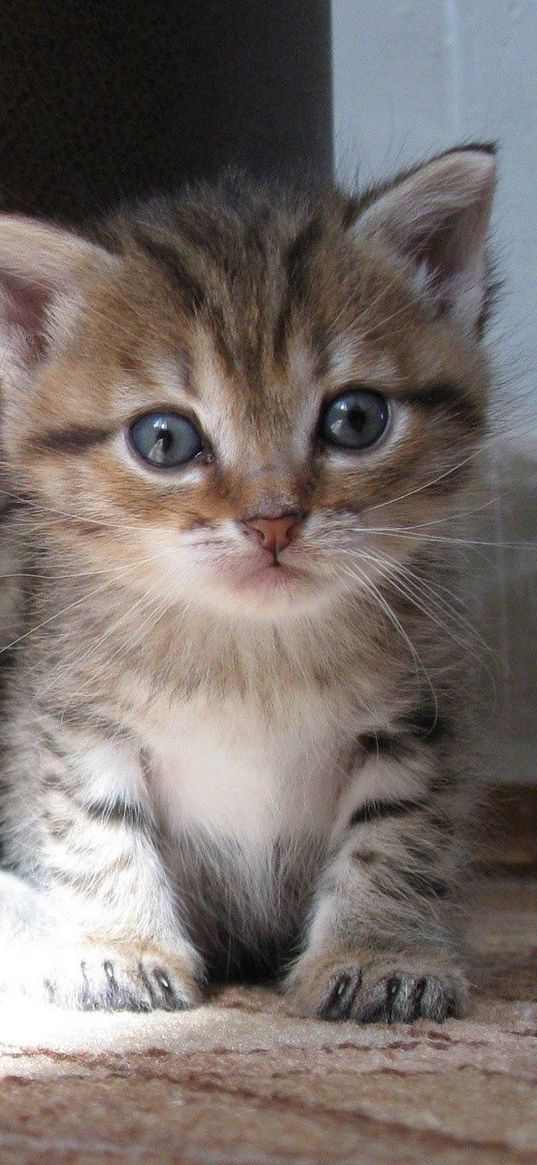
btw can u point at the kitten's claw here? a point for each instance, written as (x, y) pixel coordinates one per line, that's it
(112, 978)
(138, 981)
(375, 992)
(340, 994)
(400, 998)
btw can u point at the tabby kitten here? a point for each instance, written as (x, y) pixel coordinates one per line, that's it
(233, 423)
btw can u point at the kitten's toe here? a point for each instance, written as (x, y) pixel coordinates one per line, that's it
(166, 990)
(403, 997)
(340, 996)
(377, 991)
(92, 978)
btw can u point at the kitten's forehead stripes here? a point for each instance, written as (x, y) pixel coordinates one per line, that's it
(295, 261)
(257, 267)
(168, 259)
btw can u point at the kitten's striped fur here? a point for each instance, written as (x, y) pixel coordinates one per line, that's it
(203, 776)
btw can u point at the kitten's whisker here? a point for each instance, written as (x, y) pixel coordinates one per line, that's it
(455, 515)
(381, 602)
(38, 507)
(437, 591)
(427, 485)
(382, 323)
(413, 594)
(386, 570)
(71, 606)
(369, 307)
(167, 601)
(434, 539)
(399, 570)
(53, 575)
(143, 604)
(174, 593)
(78, 658)
(402, 580)
(483, 447)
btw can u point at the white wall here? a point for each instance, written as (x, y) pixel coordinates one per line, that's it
(412, 77)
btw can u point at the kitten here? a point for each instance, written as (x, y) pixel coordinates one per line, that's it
(234, 421)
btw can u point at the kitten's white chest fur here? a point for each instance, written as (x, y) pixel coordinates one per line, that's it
(223, 769)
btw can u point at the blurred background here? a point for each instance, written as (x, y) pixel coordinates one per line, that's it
(99, 102)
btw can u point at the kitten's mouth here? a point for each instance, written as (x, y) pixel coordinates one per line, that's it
(267, 584)
(274, 575)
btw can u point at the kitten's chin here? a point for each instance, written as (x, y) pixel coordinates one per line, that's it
(270, 592)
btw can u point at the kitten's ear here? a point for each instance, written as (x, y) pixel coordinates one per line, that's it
(38, 263)
(438, 216)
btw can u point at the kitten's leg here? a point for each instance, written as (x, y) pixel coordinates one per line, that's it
(379, 946)
(109, 937)
(20, 908)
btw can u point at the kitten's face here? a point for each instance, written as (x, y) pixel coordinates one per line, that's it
(254, 419)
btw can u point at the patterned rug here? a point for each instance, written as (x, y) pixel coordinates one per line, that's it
(240, 1082)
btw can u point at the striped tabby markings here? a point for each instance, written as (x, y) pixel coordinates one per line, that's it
(118, 812)
(381, 810)
(71, 439)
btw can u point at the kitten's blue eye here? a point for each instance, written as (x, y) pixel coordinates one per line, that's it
(355, 420)
(165, 440)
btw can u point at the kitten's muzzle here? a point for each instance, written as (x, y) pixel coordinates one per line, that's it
(274, 533)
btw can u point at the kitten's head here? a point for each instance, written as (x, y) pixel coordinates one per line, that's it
(249, 398)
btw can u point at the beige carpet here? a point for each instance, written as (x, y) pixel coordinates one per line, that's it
(239, 1081)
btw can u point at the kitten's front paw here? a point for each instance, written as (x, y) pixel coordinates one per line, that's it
(119, 978)
(381, 990)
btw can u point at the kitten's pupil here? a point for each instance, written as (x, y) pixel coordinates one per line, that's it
(163, 444)
(357, 419)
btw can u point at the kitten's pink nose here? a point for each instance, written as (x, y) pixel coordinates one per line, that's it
(273, 533)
